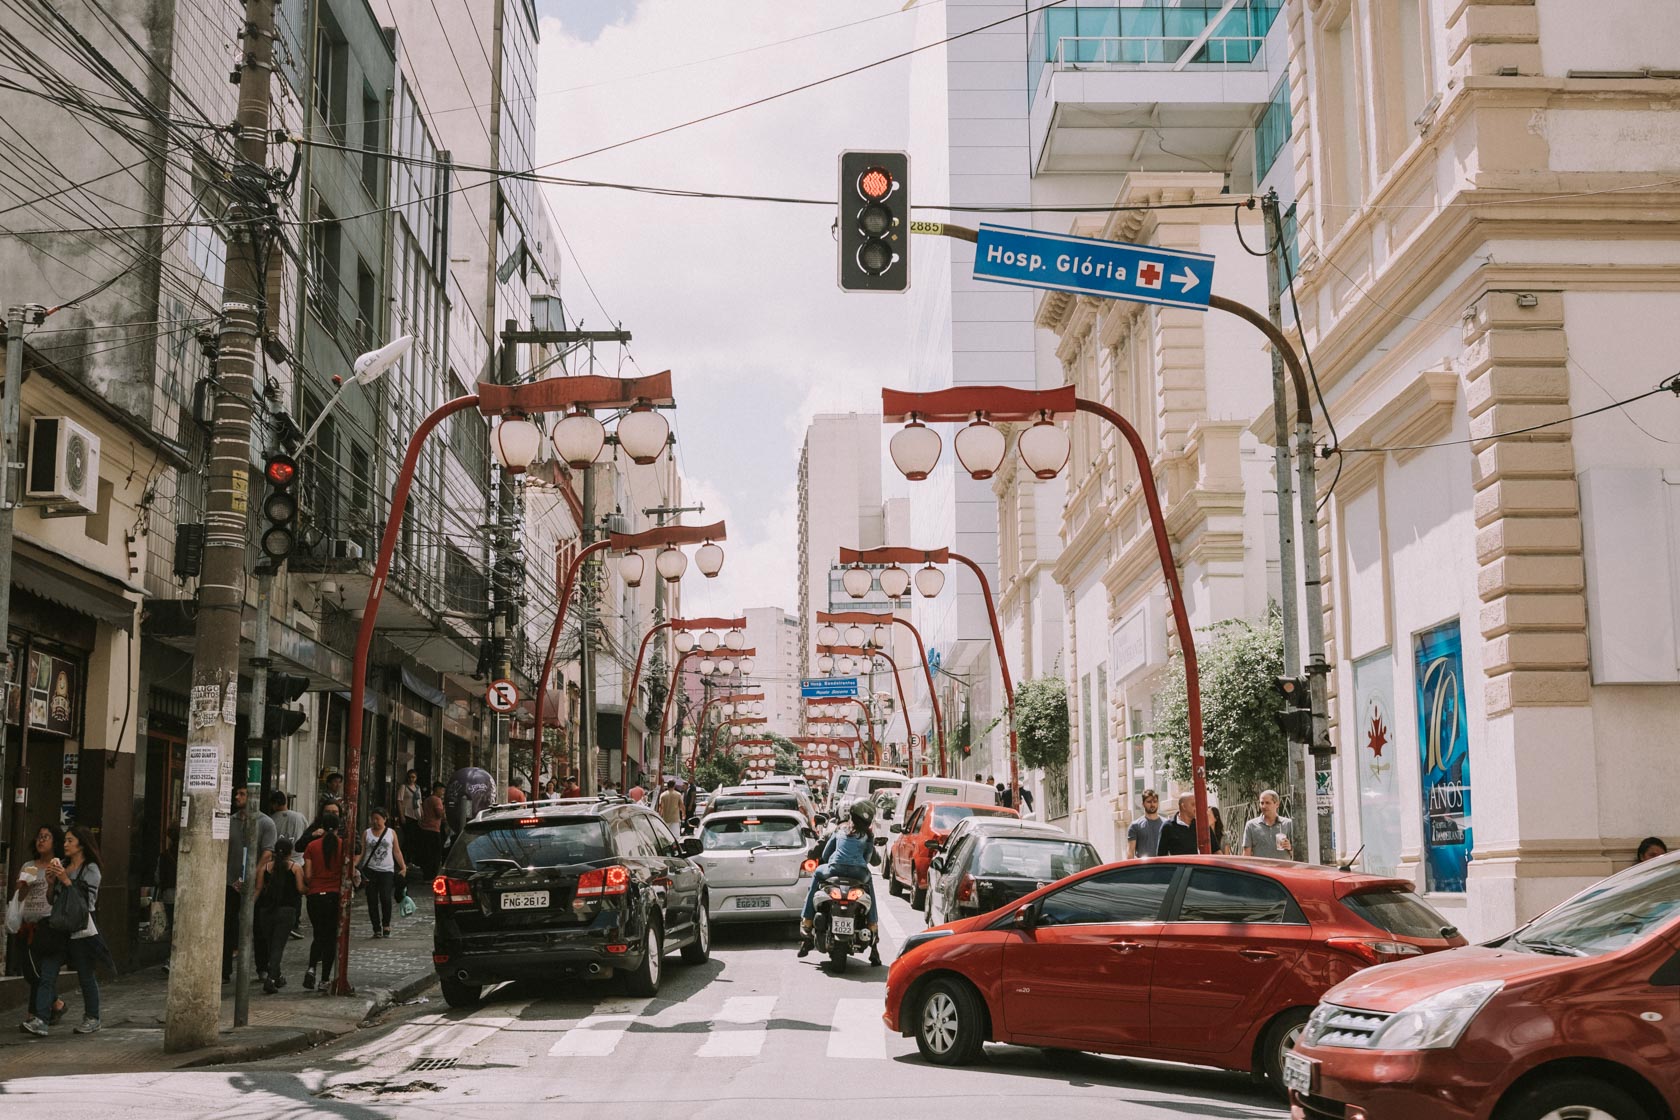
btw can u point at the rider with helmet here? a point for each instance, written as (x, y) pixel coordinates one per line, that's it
(847, 853)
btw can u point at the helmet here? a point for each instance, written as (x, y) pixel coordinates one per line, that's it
(863, 814)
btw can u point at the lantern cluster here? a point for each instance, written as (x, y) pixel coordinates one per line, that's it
(579, 439)
(981, 447)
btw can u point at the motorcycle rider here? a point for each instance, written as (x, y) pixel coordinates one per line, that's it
(847, 852)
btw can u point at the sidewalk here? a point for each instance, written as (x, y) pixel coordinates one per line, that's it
(384, 972)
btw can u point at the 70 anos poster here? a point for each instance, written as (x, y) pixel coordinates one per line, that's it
(1444, 740)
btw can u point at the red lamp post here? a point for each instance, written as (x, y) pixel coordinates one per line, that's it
(1043, 447)
(513, 402)
(931, 587)
(870, 618)
(869, 651)
(666, 539)
(706, 708)
(682, 625)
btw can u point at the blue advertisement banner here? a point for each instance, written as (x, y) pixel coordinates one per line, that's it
(1444, 742)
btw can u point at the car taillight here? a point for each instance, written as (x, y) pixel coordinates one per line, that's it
(604, 881)
(1371, 951)
(965, 888)
(450, 891)
(807, 868)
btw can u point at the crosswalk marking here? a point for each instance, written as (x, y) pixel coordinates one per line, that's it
(753, 1010)
(857, 1030)
(437, 1035)
(598, 1035)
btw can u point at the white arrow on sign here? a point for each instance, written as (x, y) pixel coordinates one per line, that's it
(1186, 280)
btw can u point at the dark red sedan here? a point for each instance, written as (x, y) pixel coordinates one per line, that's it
(1206, 959)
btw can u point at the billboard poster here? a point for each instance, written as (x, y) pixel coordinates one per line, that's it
(1375, 754)
(1444, 743)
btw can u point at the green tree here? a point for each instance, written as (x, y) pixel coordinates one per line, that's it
(1244, 745)
(1041, 722)
(721, 769)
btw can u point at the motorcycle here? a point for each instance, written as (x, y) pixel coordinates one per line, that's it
(842, 921)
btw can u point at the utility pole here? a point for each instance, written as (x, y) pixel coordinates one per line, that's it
(503, 584)
(194, 1001)
(16, 317)
(587, 777)
(1312, 603)
(656, 663)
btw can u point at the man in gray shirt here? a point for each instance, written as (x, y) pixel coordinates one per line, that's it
(289, 824)
(1143, 838)
(256, 834)
(1267, 835)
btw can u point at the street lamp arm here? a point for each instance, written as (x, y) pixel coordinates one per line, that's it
(1003, 668)
(556, 394)
(554, 642)
(667, 535)
(630, 703)
(868, 618)
(895, 555)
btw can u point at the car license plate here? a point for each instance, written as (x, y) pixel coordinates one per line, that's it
(1298, 1073)
(753, 902)
(525, 900)
(841, 927)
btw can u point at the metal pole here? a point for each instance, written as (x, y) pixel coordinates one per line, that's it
(588, 778)
(1003, 665)
(194, 1001)
(501, 724)
(629, 702)
(256, 723)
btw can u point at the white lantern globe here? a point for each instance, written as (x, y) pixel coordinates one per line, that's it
(980, 448)
(516, 443)
(735, 639)
(671, 563)
(578, 439)
(746, 666)
(684, 641)
(895, 581)
(709, 559)
(880, 637)
(857, 582)
(828, 635)
(848, 666)
(825, 664)
(709, 641)
(642, 433)
(1044, 448)
(855, 635)
(707, 667)
(726, 665)
(631, 567)
(915, 450)
(930, 581)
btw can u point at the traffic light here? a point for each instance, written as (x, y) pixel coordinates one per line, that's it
(280, 507)
(279, 720)
(1296, 716)
(874, 221)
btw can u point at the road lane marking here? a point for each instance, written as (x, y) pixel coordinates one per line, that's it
(890, 929)
(598, 1035)
(753, 1011)
(437, 1035)
(857, 1030)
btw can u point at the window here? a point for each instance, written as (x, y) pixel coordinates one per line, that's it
(631, 841)
(1273, 131)
(1132, 894)
(1402, 73)
(326, 244)
(1102, 724)
(1236, 898)
(549, 844)
(372, 164)
(367, 307)
(332, 75)
(361, 482)
(1397, 911)
(657, 834)
(1085, 725)
(1339, 109)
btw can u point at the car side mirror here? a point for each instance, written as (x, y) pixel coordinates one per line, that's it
(932, 845)
(808, 832)
(896, 828)
(939, 864)
(1026, 918)
(880, 841)
(693, 822)
(691, 846)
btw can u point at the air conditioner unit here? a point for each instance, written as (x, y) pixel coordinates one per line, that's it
(63, 464)
(338, 548)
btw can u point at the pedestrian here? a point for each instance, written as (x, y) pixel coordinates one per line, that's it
(671, 804)
(382, 864)
(280, 886)
(333, 788)
(289, 824)
(1027, 801)
(1267, 835)
(26, 915)
(550, 790)
(83, 949)
(1216, 830)
(1650, 848)
(571, 788)
(323, 873)
(1178, 835)
(516, 795)
(1143, 838)
(247, 841)
(431, 831)
(409, 796)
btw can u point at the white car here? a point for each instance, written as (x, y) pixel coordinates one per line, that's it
(755, 864)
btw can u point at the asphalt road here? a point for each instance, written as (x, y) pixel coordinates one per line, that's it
(753, 1034)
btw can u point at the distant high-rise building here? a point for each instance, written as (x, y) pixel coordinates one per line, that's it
(839, 506)
(774, 633)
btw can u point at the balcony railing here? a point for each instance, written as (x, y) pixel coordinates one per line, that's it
(1148, 34)
(1152, 52)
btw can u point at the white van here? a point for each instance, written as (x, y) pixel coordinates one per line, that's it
(919, 791)
(849, 785)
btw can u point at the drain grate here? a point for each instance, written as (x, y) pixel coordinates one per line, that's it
(421, 1065)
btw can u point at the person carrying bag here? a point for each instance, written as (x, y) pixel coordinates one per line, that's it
(71, 929)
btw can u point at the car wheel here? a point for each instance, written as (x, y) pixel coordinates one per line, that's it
(918, 896)
(699, 950)
(948, 1023)
(1572, 1098)
(458, 993)
(894, 887)
(1280, 1039)
(644, 980)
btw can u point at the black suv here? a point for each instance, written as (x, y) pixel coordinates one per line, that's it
(566, 888)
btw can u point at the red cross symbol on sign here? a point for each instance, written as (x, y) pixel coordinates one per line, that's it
(1149, 275)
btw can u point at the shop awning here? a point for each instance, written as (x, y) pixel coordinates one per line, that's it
(63, 581)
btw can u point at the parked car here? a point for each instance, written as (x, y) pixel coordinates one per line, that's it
(1576, 1014)
(772, 785)
(989, 863)
(755, 864)
(849, 785)
(574, 888)
(913, 843)
(1213, 960)
(925, 790)
(736, 798)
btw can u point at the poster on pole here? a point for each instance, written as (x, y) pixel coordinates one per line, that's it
(1375, 756)
(1444, 743)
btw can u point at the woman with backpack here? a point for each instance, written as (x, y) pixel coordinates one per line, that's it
(73, 884)
(280, 888)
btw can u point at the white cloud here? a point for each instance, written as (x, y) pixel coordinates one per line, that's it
(738, 299)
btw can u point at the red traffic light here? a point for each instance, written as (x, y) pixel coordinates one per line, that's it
(875, 184)
(281, 470)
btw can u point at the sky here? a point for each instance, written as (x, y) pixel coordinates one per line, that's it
(737, 299)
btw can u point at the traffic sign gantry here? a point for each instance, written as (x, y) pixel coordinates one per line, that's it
(816, 688)
(1093, 267)
(502, 695)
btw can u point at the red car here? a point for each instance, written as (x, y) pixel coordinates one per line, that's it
(1577, 1014)
(922, 833)
(1207, 959)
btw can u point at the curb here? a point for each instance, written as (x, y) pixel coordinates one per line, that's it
(377, 1001)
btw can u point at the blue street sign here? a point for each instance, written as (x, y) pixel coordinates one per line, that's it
(823, 688)
(1093, 267)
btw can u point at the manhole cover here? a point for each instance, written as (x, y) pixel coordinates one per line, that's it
(420, 1065)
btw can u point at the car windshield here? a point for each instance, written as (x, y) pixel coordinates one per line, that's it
(876, 784)
(738, 834)
(945, 817)
(1606, 917)
(1399, 912)
(747, 801)
(550, 843)
(1022, 858)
